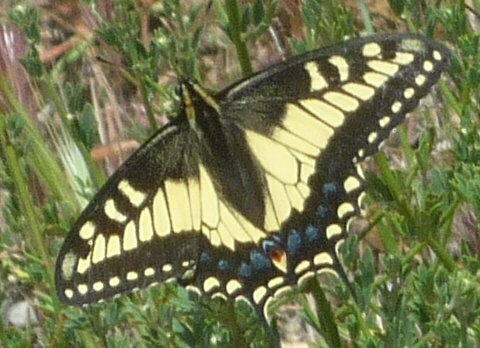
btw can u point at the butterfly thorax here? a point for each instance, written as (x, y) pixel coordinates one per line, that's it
(225, 154)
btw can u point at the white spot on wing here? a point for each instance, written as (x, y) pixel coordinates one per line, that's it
(363, 92)
(145, 230)
(403, 58)
(130, 237)
(351, 184)
(113, 246)
(333, 230)
(68, 264)
(131, 276)
(87, 230)
(98, 286)
(112, 212)
(412, 45)
(135, 197)
(82, 289)
(396, 107)
(302, 266)
(275, 282)
(408, 93)
(84, 263)
(383, 67)
(371, 49)
(114, 281)
(375, 79)
(420, 79)
(210, 283)
(342, 100)
(232, 286)
(322, 258)
(317, 82)
(427, 66)
(98, 253)
(344, 209)
(68, 293)
(341, 65)
(384, 121)
(259, 294)
(148, 272)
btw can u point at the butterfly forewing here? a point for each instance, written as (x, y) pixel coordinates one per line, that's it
(251, 192)
(125, 238)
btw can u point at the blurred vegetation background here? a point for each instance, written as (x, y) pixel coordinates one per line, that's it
(83, 83)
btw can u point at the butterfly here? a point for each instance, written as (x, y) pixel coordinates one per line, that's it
(250, 191)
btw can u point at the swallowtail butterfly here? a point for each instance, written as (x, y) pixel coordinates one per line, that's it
(249, 192)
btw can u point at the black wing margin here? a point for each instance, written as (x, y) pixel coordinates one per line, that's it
(126, 239)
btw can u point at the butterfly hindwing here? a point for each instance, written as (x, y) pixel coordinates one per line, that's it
(249, 192)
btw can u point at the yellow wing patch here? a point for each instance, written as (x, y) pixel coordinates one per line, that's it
(288, 170)
(182, 206)
(178, 200)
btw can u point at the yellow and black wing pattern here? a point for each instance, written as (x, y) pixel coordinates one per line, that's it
(249, 192)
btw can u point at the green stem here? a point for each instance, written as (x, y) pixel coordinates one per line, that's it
(367, 21)
(325, 315)
(21, 187)
(393, 186)
(406, 147)
(54, 96)
(95, 172)
(48, 168)
(148, 106)
(442, 254)
(233, 13)
(452, 100)
(417, 248)
(238, 337)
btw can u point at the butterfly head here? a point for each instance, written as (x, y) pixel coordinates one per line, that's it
(195, 98)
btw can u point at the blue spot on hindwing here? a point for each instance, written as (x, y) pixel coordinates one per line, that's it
(223, 265)
(329, 190)
(294, 242)
(321, 212)
(245, 271)
(259, 261)
(204, 257)
(312, 233)
(269, 244)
